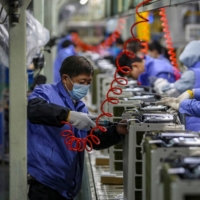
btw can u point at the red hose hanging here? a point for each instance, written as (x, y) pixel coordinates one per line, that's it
(80, 144)
(107, 43)
(171, 50)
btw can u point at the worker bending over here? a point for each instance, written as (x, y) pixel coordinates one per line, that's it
(142, 69)
(190, 57)
(56, 171)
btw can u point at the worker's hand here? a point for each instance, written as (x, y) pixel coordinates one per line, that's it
(186, 95)
(122, 129)
(170, 101)
(81, 120)
(175, 102)
(159, 84)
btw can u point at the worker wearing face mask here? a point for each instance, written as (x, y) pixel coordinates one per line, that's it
(55, 171)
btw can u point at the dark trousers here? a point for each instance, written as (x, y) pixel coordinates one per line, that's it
(38, 191)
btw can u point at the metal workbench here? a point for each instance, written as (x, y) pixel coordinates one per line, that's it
(92, 188)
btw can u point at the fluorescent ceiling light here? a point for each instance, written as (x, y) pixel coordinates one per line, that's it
(82, 2)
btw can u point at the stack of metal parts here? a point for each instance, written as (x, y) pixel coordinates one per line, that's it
(141, 120)
(181, 177)
(157, 146)
(139, 95)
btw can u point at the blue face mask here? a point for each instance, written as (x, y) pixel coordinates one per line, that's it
(79, 91)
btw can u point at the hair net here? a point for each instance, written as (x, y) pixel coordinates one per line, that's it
(191, 54)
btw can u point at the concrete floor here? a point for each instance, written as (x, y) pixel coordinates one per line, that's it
(4, 181)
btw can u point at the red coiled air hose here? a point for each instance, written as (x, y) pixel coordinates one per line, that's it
(169, 43)
(107, 43)
(80, 144)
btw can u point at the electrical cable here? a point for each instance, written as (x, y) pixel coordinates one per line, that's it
(169, 43)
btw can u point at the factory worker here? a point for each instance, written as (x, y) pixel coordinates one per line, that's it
(156, 51)
(117, 47)
(142, 69)
(56, 172)
(190, 57)
(68, 49)
(66, 37)
(187, 103)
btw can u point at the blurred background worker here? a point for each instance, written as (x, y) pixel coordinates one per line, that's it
(187, 103)
(117, 47)
(156, 50)
(68, 48)
(142, 69)
(190, 57)
(56, 172)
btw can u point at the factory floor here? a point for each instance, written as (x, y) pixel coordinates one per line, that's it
(4, 181)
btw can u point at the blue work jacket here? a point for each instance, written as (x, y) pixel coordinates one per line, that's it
(156, 68)
(193, 123)
(49, 161)
(60, 42)
(191, 107)
(61, 56)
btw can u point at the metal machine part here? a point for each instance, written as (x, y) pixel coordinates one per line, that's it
(157, 146)
(141, 121)
(145, 98)
(180, 178)
(136, 89)
(154, 108)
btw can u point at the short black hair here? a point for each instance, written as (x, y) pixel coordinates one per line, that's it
(76, 65)
(119, 41)
(124, 60)
(67, 43)
(155, 45)
(135, 46)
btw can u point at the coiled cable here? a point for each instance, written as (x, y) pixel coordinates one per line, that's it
(80, 144)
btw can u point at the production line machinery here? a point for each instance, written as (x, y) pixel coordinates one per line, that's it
(180, 177)
(140, 120)
(157, 146)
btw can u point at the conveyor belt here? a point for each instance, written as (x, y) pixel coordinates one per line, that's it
(102, 192)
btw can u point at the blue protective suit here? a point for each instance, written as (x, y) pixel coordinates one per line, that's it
(193, 123)
(115, 51)
(192, 108)
(190, 57)
(163, 58)
(48, 157)
(60, 42)
(61, 56)
(156, 68)
(49, 160)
